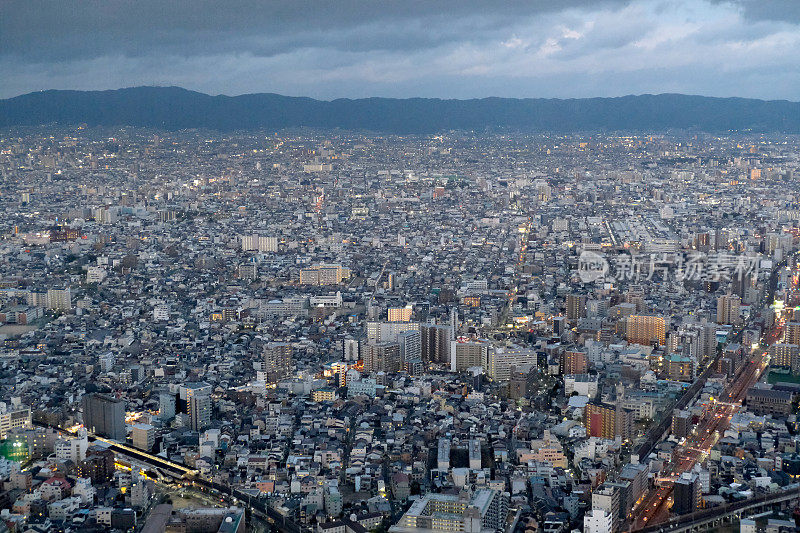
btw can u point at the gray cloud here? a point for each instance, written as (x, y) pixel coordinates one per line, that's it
(448, 48)
(774, 10)
(62, 30)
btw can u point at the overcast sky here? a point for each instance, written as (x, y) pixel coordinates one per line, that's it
(437, 48)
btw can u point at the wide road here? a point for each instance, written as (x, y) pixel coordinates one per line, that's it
(654, 508)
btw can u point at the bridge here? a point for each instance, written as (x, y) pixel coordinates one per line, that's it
(706, 519)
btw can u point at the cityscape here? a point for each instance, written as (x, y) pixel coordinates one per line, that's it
(399, 267)
(345, 332)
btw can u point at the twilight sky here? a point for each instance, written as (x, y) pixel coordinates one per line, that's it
(405, 48)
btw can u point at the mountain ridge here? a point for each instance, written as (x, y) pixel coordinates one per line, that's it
(175, 108)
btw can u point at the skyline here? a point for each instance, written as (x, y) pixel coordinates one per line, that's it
(392, 49)
(399, 266)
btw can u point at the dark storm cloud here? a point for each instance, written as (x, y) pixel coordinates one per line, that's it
(52, 30)
(437, 48)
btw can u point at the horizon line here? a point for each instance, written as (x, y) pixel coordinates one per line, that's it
(562, 98)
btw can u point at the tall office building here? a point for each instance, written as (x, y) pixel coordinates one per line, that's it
(197, 396)
(104, 415)
(277, 360)
(728, 306)
(646, 329)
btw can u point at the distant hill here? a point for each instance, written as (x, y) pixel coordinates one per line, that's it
(174, 108)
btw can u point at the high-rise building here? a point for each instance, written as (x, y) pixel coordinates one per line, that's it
(792, 333)
(443, 454)
(13, 418)
(521, 382)
(573, 362)
(597, 308)
(576, 306)
(166, 405)
(388, 331)
(601, 421)
(436, 343)
(197, 396)
(381, 357)
(474, 454)
(98, 465)
(468, 353)
(785, 356)
(400, 314)
(104, 415)
(143, 436)
(323, 275)
(351, 350)
(59, 299)
(483, 510)
(623, 422)
(501, 359)
(681, 423)
(277, 360)
(646, 329)
(410, 346)
(598, 521)
(259, 242)
(560, 325)
(686, 494)
(607, 498)
(728, 306)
